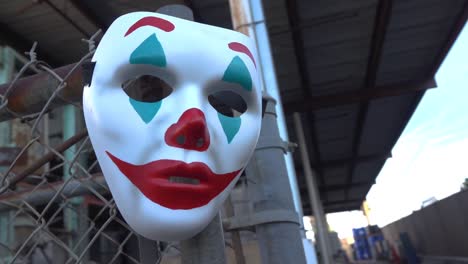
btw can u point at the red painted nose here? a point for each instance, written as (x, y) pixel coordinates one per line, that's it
(190, 132)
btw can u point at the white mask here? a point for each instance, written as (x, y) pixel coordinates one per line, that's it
(173, 111)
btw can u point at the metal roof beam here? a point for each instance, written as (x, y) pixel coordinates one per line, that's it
(343, 202)
(337, 187)
(293, 17)
(344, 162)
(88, 14)
(21, 44)
(382, 19)
(335, 209)
(67, 18)
(359, 159)
(455, 31)
(298, 42)
(314, 103)
(338, 202)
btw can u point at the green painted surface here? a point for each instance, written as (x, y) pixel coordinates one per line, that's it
(7, 62)
(231, 126)
(69, 130)
(146, 110)
(7, 66)
(4, 224)
(237, 72)
(71, 219)
(150, 52)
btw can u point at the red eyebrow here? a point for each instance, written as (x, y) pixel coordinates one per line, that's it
(236, 46)
(151, 21)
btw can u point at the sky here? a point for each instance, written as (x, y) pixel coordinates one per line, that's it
(430, 159)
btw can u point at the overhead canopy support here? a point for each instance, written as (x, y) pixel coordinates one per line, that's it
(293, 17)
(456, 29)
(314, 103)
(9, 37)
(346, 161)
(336, 187)
(382, 19)
(87, 12)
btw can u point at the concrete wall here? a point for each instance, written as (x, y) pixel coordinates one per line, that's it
(440, 229)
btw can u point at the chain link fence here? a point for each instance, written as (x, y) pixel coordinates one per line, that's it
(54, 204)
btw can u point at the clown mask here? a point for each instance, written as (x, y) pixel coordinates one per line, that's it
(173, 110)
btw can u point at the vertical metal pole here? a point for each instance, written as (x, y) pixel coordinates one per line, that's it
(248, 18)
(280, 241)
(235, 235)
(208, 246)
(324, 241)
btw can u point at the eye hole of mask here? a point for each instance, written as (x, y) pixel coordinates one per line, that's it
(228, 103)
(147, 88)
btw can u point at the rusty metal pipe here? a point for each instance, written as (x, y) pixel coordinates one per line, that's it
(43, 195)
(48, 157)
(30, 94)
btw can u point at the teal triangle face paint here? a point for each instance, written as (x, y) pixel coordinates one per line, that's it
(231, 126)
(146, 110)
(237, 72)
(150, 51)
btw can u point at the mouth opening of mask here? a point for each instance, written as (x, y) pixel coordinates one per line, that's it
(184, 180)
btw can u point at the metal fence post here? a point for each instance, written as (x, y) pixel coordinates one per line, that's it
(278, 230)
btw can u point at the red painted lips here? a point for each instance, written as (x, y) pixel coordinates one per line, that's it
(152, 179)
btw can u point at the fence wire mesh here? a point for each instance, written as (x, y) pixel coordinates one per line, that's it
(54, 204)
